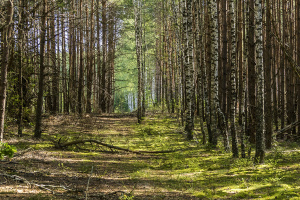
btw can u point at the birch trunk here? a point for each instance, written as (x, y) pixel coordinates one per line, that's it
(260, 122)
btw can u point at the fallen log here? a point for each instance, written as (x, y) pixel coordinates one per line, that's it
(76, 142)
(287, 128)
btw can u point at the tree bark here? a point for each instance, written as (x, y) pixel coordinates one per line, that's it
(6, 37)
(20, 68)
(39, 107)
(90, 62)
(104, 58)
(81, 66)
(268, 57)
(251, 74)
(235, 150)
(188, 66)
(260, 115)
(138, 45)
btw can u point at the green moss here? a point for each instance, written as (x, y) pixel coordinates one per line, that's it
(202, 171)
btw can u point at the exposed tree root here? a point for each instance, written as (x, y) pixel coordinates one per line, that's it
(76, 142)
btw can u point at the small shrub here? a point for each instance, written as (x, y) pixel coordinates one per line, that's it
(7, 150)
(126, 197)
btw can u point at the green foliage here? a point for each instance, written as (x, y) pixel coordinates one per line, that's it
(126, 197)
(7, 150)
(125, 62)
(242, 163)
(13, 98)
(200, 171)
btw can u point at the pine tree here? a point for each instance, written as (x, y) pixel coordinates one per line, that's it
(138, 38)
(38, 122)
(233, 80)
(6, 38)
(188, 66)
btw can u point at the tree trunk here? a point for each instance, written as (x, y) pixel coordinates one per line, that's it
(81, 67)
(104, 58)
(260, 123)
(64, 69)
(99, 78)
(39, 107)
(90, 62)
(298, 61)
(251, 74)
(137, 26)
(6, 37)
(188, 66)
(55, 70)
(235, 150)
(20, 74)
(282, 69)
(268, 57)
(224, 56)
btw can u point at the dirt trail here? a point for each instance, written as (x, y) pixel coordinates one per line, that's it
(67, 174)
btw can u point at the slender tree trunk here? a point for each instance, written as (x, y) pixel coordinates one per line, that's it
(58, 93)
(207, 74)
(199, 55)
(98, 54)
(275, 71)
(240, 52)
(260, 123)
(20, 68)
(104, 58)
(138, 55)
(251, 74)
(39, 108)
(6, 36)
(90, 62)
(268, 57)
(81, 67)
(298, 61)
(188, 41)
(235, 150)
(64, 68)
(224, 55)
(243, 103)
(55, 70)
(282, 69)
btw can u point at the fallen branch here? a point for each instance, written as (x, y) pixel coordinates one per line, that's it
(287, 128)
(41, 186)
(59, 145)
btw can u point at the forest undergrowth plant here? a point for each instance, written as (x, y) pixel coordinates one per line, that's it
(7, 150)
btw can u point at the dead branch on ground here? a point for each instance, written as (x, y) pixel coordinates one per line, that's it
(41, 186)
(83, 141)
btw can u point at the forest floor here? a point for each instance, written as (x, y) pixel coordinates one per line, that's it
(39, 170)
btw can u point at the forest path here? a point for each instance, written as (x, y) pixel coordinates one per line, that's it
(111, 175)
(39, 169)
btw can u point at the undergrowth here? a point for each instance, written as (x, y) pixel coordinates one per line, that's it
(200, 172)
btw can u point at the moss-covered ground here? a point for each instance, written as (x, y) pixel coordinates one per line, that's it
(91, 171)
